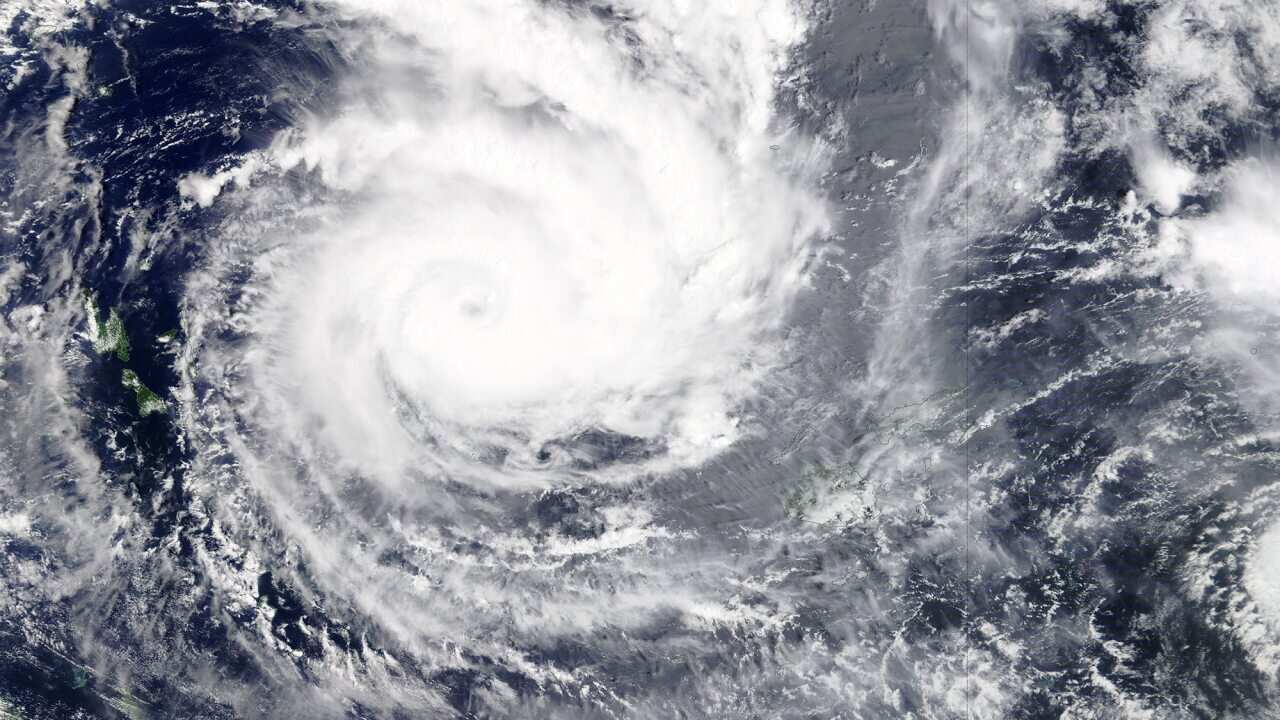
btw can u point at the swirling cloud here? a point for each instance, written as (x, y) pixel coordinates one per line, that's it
(558, 229)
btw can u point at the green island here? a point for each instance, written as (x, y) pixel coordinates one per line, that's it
(148, 401)
(108, 337)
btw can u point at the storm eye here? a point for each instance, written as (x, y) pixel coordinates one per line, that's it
(479, 303)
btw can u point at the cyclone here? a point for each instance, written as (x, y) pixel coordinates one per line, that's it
(540, 223)
(719, 360)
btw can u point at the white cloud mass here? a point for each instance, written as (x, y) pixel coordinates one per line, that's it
(554, 222)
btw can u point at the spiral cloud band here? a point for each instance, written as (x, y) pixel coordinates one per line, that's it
(553, 223)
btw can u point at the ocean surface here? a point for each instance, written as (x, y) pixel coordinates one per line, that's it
(643, 359)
